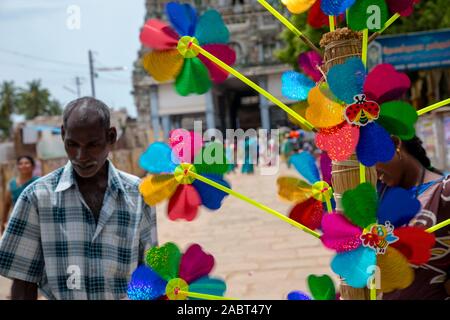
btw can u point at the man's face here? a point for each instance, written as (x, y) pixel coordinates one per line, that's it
(87, 144)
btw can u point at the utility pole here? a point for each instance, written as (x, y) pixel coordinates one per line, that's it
(92, 72)
(78, 84)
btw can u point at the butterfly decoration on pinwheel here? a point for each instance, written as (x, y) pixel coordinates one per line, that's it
(355, 111)
(321, 288)
(173, 56)
(308, 195)
(169, 179)
(359, 13)
(168, 273)
(374, 232)
(296, 86)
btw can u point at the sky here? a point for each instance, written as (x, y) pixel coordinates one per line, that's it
(50, 39)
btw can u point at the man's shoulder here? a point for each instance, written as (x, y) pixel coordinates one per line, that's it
(47, 182)
(129, 181)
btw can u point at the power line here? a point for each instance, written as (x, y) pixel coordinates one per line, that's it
(26, 55)
(23, 66)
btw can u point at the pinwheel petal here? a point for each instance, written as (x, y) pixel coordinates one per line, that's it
(164, 260)
(322, 111)
(145, 284)
(362, 16)
(398, 118)
(212, 159)
(360, 204)
(339, 234)
(207, 285)
(158, 35)
(356, 266)
(384, 83)
(395, 272)
(195, 263)
(155, 189)
(185, 144)
(414, 243)
(335, 7)
(222, 52)
(293, 189)
(339, 142)
(375, 145)
(346, 80)
(321, 287)
(211, 28)
(298, 6)
(158, 158)
(295, 86)
(316, 18)
(298, 295)
(305, 164)
(183, 18)
(211, 197)
(325, 167)
(163, 65)
(309, 213)
(402, 7)
(397, 206)
(309, 62)
(193, 78)
(184, 203)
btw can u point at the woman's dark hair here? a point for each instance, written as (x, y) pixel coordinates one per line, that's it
(28, 158)
(416, 149)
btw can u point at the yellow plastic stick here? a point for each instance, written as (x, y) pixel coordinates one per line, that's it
(204, 296)
(331, 21)
(329, 207)
(253, 85)
(373, 292)
(362, 173)
(288, 24)
(439, 226)
(253, 202)
(389, 22)
(433, 107)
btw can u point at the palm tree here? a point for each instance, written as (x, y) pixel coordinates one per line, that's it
(8, 103)
(35, 101)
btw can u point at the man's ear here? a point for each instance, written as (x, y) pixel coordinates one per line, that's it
(63, 133)
(112, 135)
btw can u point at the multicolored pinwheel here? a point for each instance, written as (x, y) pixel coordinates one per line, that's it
(308, 196)
(355, 111)
(321, 288)
(372, 232)
(169, 274)
(174, 58)
(169, 166)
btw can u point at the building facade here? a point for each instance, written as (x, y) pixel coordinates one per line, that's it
(254, 35)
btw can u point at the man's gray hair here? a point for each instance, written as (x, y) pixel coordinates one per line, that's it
(92, 104)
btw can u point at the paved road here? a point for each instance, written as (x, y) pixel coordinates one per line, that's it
(259, 256)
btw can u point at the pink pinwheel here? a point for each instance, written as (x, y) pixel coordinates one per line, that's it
(169, 179)
(174, 57)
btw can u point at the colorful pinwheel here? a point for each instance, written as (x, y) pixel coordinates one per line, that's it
(169, 166)
(321, 288)
(372, 232)
(174, 58)
(168, 274)
(308, 196)
(355, 111)
(329, 7)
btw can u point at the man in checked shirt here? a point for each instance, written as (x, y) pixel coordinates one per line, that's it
(80, 231)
